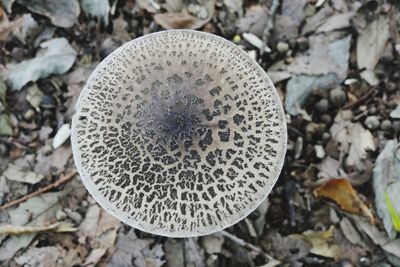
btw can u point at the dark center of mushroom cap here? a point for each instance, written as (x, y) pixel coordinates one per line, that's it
(174, 111)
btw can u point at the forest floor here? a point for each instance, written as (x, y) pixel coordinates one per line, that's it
(336, 66)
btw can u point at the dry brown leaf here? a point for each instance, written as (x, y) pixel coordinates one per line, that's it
(341, 191)
(6, 26)
(181, 20)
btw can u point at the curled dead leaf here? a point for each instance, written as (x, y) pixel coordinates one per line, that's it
(342, 192)
(181, 20)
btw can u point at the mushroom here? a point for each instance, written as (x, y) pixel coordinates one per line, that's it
(179, 133)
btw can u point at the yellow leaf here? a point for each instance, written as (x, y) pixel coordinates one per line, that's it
(393, 214)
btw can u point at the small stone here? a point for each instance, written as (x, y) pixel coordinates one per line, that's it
(84, 203)
(62, 135)
(371, 110)
(372, 122)
(396, 125)
(3, 150)
(47, 149)
(319, 151)
(28, 115)
(48, 102)
(386, 125)
(326, 118)
(282, 47)
(298, 148)
(391, 87)
(326, 136)
(236, 38)
(252, 54)
(302, 43)
(322, 105)
(337, 97)
(61, 215)
(73, 215)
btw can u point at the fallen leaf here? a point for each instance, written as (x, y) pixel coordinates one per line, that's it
(294, 10)
(174, 5)
(317, 20)
(342, 192)
(76, 81)
(386, 184)
(193, 252)
(278, 76)
(395, 114)
(62, 13)
(61, 136)
(185, 20)
(326, 55)
(286, 248)
(329, 168)
(5, 125)
(256, 42)
(254, 21)
(351, 233)
(4, 25)
(371, 42)
(99, 228)
(393, 213)
(234, 6)
(361, 141)
(25, 27)
(379, 238)
(56, 57)
(212, 244)
(97, 8)
(34, 96)
(35, 211)
(94, 257)
(59, 227)
(322, 242)
(285, 28)
(353, 139)
(22, 174)
(181, 20)
(149, 5)
(336, 22)
(300, 87)
(46, 34)
(42, 256)
(131, 249)
(262, 210)
(174, 249)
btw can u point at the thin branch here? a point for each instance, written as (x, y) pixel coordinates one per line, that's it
(57, 183)
(272, 262)
(240, 242)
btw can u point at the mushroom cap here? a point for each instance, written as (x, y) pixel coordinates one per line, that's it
(179, 133)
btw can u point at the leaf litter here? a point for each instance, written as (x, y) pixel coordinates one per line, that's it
(314, 48)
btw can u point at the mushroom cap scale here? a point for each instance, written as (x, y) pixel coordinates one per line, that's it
(179, 133)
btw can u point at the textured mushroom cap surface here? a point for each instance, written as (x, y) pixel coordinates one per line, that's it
(179, 133)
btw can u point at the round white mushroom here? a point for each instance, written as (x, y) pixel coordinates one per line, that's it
(179, 133)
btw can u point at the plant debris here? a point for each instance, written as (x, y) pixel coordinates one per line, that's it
(336, 67)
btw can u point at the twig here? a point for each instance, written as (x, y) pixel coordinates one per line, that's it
(57, 183)
(20, 229)
(270, 22)
(272, 262)
(240, 242)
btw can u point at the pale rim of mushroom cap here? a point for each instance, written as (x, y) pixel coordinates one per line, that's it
(124, 217)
